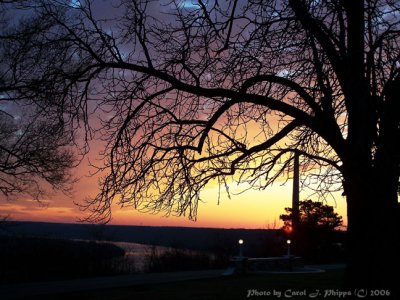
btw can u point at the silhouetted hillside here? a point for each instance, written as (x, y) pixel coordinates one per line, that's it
(257, 241)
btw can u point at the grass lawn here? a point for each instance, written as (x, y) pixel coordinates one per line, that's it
(299, 286)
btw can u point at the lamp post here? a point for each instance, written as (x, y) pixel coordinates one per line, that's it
(288, 242)
(240, 248)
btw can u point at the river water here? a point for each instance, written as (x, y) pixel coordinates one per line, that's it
(135, 254)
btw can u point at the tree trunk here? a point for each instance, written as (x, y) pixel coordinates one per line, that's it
(371, 172)
(372, 228)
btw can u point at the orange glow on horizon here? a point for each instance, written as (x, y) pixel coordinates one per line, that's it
(252, 209)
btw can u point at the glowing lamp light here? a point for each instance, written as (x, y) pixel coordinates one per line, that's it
(288, 242)
(240, 248)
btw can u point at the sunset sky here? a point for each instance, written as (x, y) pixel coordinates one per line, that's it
(251, 209)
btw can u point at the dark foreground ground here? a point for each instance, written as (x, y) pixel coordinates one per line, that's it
(325, 285)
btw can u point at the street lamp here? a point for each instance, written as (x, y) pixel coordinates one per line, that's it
(240, 248)
(288, 242)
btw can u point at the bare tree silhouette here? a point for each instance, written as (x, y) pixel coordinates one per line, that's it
(34, 153)
(218, 91)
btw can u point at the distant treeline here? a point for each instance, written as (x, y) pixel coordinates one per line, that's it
(218, 241)
(258, 242)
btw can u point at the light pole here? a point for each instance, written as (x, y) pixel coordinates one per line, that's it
(240, 248)
(288, 242)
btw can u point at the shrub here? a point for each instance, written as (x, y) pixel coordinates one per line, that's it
(35, 259)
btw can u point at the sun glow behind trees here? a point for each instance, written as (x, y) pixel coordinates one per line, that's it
(254, 135)
(249, 209)
(341, 59)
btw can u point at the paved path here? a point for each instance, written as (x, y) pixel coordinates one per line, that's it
(12, 291)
